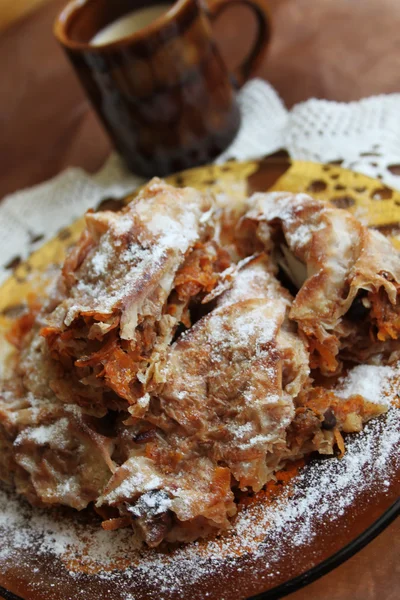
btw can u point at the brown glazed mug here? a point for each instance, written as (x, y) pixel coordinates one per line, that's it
(163, 93)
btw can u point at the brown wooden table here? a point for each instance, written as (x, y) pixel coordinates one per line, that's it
(335, 49)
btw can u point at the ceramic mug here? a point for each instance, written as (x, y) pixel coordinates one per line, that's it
(163, 93)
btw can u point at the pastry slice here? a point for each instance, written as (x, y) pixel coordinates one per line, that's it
(51, 453)
(235, 405)
(218, 418)
(347, 277)
(124, 290)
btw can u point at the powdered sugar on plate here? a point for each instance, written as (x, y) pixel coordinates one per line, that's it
(373, 382)
(323, 490)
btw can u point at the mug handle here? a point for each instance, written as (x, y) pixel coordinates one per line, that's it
(257, 54)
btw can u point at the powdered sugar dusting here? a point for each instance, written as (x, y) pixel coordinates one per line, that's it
(44, 434)
(287, 208)
(104, 293)
(371, 381)
(137, 246)
(323, 490)
(129, 486)
(302, 235)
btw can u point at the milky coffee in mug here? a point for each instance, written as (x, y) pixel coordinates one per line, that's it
(129, 24)
(156, 78)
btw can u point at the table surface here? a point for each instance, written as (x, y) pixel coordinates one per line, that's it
(335, 49)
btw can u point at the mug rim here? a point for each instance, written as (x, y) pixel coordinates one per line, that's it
(74, 6)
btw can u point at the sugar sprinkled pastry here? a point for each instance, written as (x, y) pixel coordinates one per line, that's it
(166, 373)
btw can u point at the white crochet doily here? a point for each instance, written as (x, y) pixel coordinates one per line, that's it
(365, 135)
